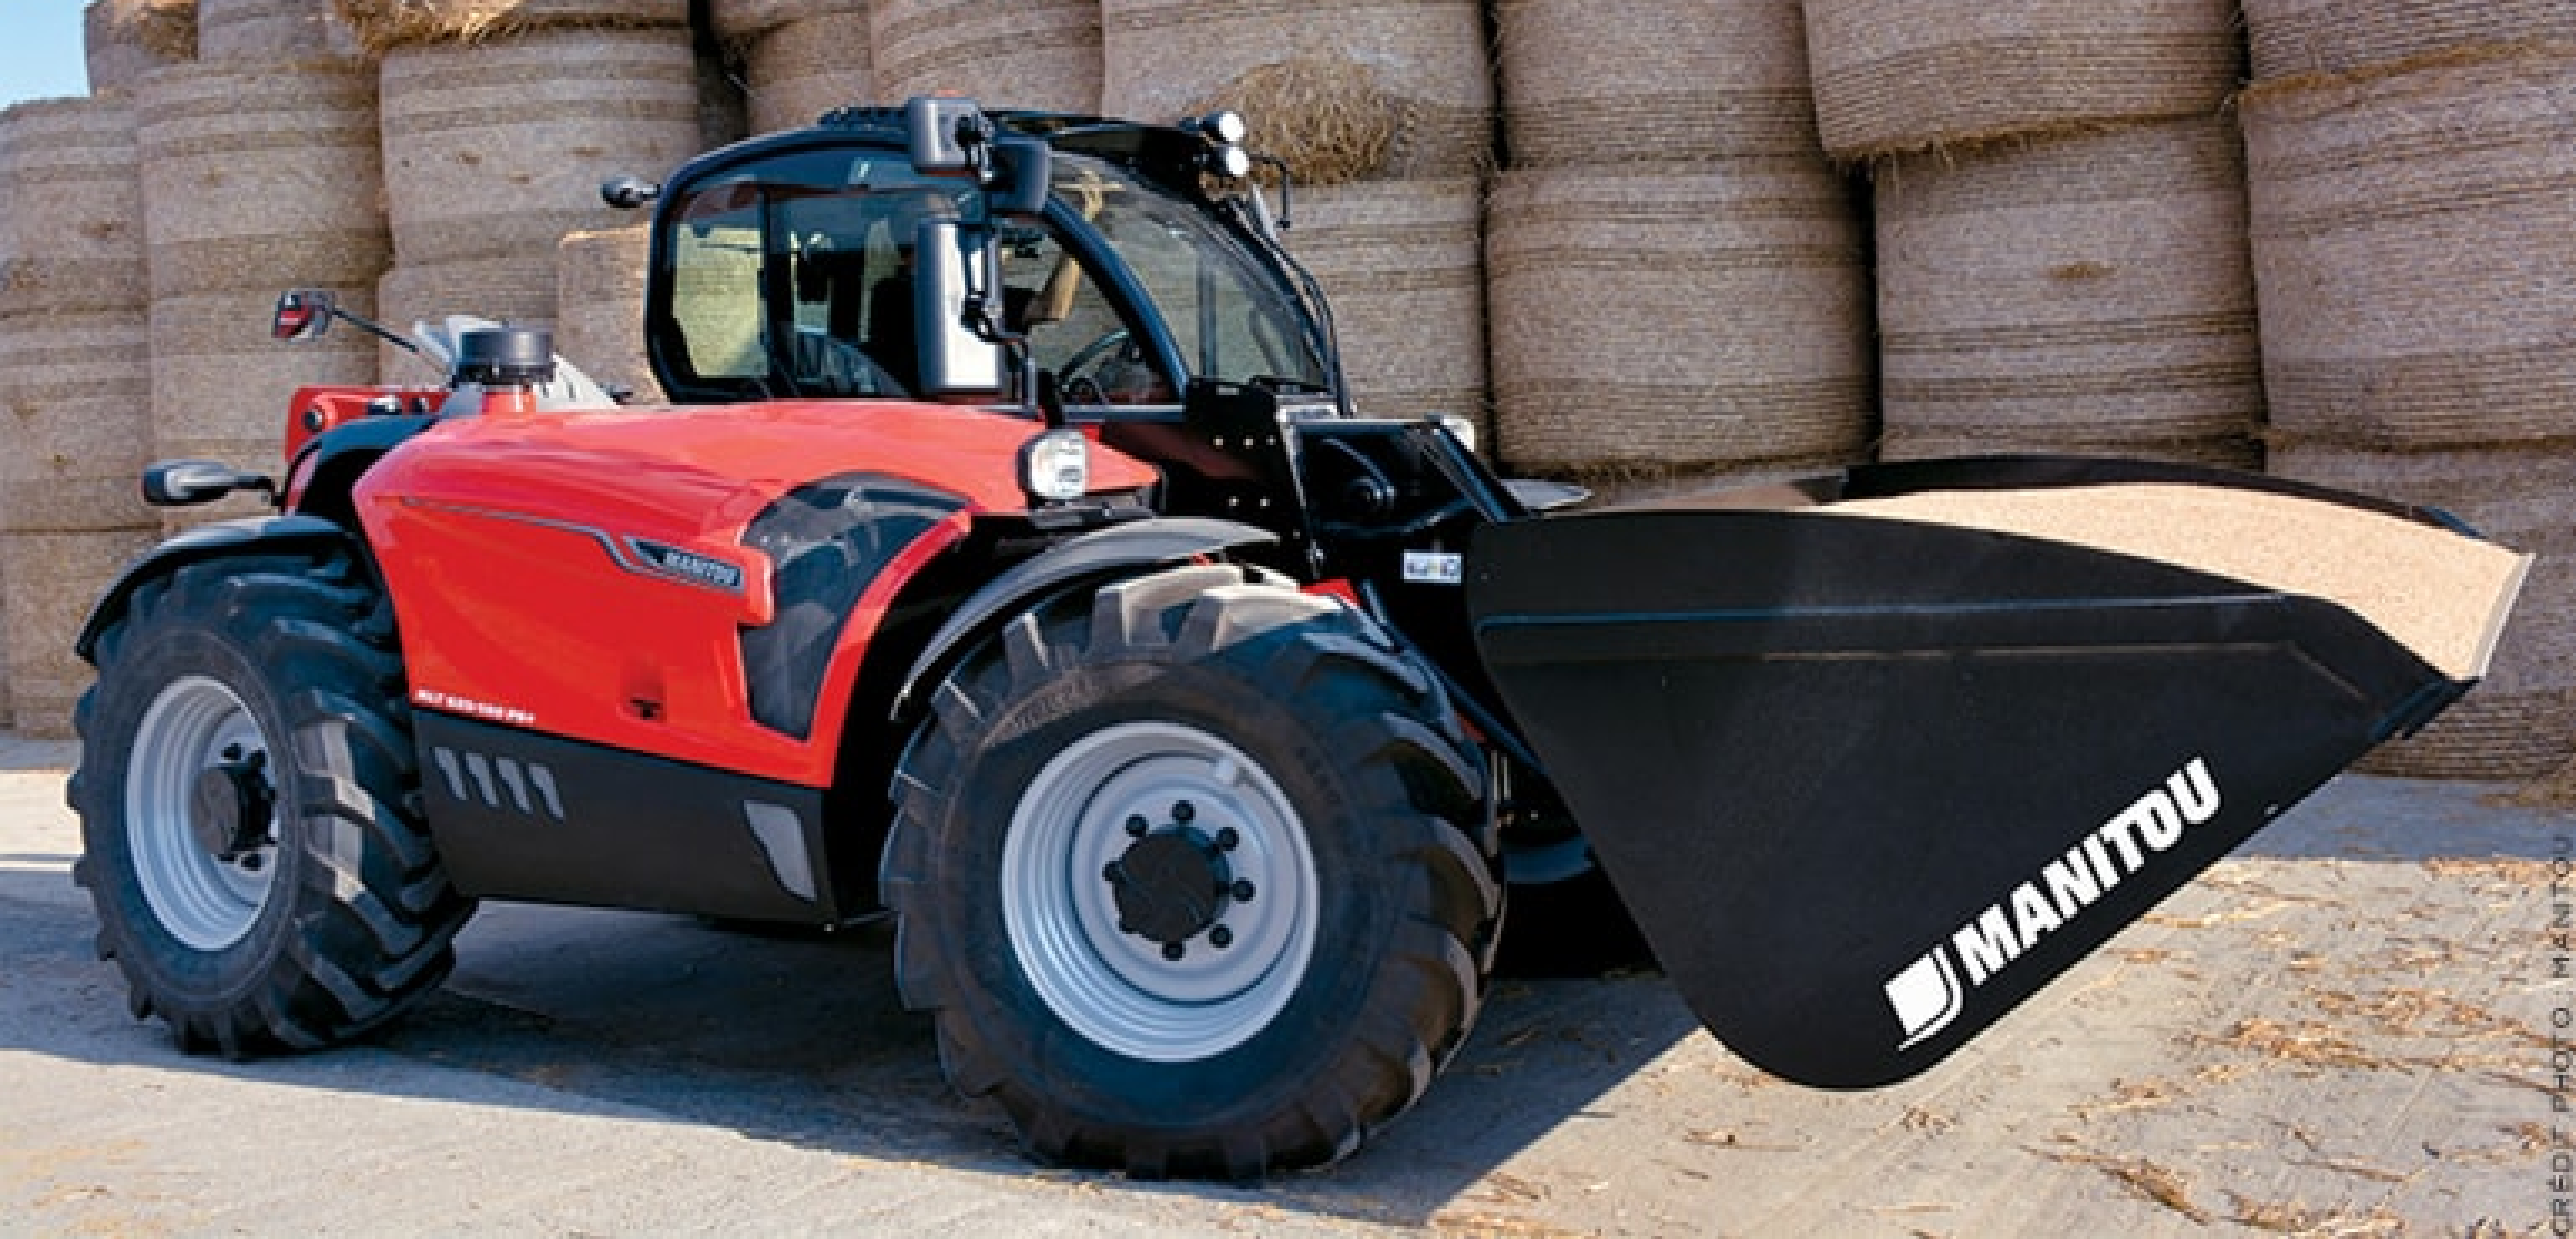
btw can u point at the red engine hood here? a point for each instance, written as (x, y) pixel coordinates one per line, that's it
(709, 471)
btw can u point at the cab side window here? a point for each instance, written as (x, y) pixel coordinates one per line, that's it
(715, 292)
(1072, 328)
(791, 276)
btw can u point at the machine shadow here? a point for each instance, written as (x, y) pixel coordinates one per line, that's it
(801, 1038)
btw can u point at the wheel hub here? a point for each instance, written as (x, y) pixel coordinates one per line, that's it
(1172, 884)
(229, 808)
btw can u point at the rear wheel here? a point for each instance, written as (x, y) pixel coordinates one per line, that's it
(1191, 873)
(249, 818)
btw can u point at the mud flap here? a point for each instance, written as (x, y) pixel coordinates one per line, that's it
(1870, 772)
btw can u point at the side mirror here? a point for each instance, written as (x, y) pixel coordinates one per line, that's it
(952, 268)
(628, 192)
(1020, 185)
(938, 131)
(302, 314)
(182, 483)
(951, 138)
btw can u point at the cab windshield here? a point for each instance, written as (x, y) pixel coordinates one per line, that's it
(1227, 317)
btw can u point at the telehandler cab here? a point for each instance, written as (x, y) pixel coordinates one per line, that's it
(1011, 561)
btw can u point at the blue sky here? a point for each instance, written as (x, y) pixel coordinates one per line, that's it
(40, 51)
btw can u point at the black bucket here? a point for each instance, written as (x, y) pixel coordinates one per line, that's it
(1867, 782)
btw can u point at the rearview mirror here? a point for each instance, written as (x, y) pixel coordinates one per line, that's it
(302, 314)
(952, 138)
(952, 270)
(183, 483)
(1020, 170)
(937, 132)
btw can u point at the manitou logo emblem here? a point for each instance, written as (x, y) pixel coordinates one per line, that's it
(1927, 995)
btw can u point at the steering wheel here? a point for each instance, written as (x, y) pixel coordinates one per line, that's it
(1089, 356)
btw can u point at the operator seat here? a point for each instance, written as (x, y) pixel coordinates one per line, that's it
(837, 368)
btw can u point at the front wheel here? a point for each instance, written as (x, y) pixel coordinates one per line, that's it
(1191, 872)
(248, 802)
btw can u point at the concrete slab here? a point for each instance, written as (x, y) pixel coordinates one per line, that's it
(2346, 1028)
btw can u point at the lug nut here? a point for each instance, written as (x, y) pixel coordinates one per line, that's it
(1228, 840)
(1241, 890)
(1220, 937)
(1173, 951)
(1109, 872)
(1183, 812)
(1135, 826)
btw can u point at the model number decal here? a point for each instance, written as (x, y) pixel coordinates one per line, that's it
(470, 708)
(1434, 567)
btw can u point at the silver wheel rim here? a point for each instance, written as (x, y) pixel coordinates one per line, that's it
(1121, 990)
(204, 901)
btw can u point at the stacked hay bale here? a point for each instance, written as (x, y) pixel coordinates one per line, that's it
(600, 323)
(2060, 223)
(1383, 113)
(244, 31)
(259, 174)
(125, 39)
(1677, 275)
(74, 400)
(2408, 169)
(800, 58)
(499, 120)
(1039, 54)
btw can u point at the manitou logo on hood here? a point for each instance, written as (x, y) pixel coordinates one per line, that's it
(1927, 995)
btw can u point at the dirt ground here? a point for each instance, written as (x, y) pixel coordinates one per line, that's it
(2344, 1029)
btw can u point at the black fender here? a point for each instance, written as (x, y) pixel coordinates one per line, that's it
(246, 535)
(1093, 556)
(334, 461)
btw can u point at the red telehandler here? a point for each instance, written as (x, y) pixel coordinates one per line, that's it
(1012, 562)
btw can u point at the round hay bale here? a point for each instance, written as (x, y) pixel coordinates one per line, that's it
(599, 325)
(2521, 722)
(1403, 265)
(71, 229)
(499, 147)
(382, 25)
(508, 290)
(1344, 90)
(261, 176)
(1037, 54)
(2220, 451)
(2411, 243)
(165, 28)
(807, 67)
(8, 714)
(1585, 83)
(271, 30)
(1650, 324)
(222, 387)
(1902, 75)
(122, 40)
(2089, 294)
(735, 20)
(75, 411)
(47, 582)
(2292, 37)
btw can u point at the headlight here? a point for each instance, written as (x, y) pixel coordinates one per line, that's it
(1056, 466)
